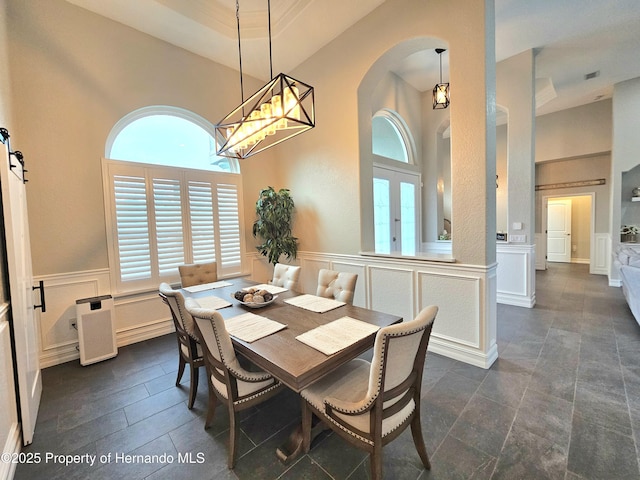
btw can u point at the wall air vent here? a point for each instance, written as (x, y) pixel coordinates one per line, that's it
(591, 75)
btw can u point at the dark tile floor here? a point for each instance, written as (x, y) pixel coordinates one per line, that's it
(562, 401)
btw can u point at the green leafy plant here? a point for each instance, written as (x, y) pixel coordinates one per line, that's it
(274, 224)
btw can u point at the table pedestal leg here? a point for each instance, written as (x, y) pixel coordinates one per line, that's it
(292, 448)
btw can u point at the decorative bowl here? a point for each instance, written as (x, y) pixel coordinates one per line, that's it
(254, 304)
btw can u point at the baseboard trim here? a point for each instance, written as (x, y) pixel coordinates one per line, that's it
(458, 352)
(12, 446)
(583, 261)
(516, 300)
(69, 352)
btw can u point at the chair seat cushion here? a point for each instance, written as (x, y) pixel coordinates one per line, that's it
(350, 383)
(246, 390)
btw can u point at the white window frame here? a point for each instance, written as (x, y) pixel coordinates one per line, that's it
(229, 245)
(404, 134)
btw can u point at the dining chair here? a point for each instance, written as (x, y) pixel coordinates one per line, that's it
(197, 274)
(370, 404)
(228, 381)
(189, 350)
(338, 285)
(286, 276)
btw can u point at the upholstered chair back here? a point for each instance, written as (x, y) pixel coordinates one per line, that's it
(176, 302)
(286, 276)
(227, 374)
(237, 388)
(198, 273)
(398, 353)
(338, 285)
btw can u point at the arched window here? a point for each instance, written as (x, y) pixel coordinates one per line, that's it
(164, 135)
(391, 138)
(169, 200)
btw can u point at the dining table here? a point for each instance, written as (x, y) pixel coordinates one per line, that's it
(293, 362)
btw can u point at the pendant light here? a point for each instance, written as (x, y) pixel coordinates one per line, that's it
(441, 93)
(280, 110)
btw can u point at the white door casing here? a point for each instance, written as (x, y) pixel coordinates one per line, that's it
(23, 318)
(559, 230)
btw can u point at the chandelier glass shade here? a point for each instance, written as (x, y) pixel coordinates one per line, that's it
(280, 110)
(441, 92)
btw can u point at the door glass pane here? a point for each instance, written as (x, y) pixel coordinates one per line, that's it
(381, 215)
(408, 218)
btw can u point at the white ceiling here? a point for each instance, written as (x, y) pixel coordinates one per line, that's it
(572, 37)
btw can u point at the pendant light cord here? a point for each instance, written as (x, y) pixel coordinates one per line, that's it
(240, 53)
(270, 57)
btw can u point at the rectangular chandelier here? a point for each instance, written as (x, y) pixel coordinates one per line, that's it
(280, 110)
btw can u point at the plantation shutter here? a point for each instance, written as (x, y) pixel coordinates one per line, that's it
(202, 226)
(132, 226)
(167, 204)
(163, 217)
(229, 229)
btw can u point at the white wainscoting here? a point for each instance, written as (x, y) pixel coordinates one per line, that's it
(600, 254)
(516, 274)
(137, 317)
(465, 328)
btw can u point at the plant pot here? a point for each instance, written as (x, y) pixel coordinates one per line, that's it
(629, 238)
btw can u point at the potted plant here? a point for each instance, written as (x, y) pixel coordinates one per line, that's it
(628, 233)
(274, 224)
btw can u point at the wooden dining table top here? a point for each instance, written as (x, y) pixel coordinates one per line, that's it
(294, 363)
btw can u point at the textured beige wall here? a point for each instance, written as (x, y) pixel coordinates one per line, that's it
(74, 75)
(575, 132)
(324, 165)
(515, 92)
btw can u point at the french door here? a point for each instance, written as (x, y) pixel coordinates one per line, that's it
(396, 212)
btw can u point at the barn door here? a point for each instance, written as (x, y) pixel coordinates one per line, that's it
(21, 293)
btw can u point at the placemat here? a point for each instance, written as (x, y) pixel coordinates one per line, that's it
(337, 335)
(250, 327)
(207, 286)
(314, 303)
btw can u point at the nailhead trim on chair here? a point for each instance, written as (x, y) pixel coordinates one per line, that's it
(236, 374)
(366, 440)
(275, 385)
(192, 335)
(374, 396)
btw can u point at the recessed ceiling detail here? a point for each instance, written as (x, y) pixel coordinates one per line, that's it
(220, 15)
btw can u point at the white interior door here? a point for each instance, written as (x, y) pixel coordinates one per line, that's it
(25, 328)
(559, 230)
